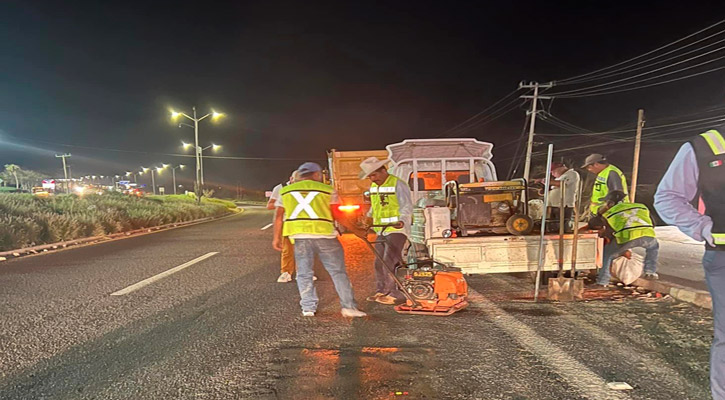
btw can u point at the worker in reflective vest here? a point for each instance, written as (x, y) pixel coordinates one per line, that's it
(287, 259)
(609, 178)
(390, 204)
(626, 226)
(699, 168)
(305, 216)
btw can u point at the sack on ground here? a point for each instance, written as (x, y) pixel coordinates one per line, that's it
(627, 270)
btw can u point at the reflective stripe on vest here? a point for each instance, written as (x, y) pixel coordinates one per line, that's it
(601, 189)
(382, 189)
(384, 204)
(715, 140)
(629, 221)
(307, 209)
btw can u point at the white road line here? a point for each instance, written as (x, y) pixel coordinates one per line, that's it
(148, 281)
(577, 375)
(264, 228)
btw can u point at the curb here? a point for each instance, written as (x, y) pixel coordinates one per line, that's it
(700, 298)
(47, 248)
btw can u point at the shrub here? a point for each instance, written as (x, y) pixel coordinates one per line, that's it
(27, 220)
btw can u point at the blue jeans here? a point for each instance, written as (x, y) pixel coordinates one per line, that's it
(714, 264)
(333, 259)
(614, 250)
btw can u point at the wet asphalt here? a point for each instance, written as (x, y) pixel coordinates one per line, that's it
(224, 329)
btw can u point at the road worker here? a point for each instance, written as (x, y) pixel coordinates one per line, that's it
(287, 259)
(699, 168)
(571, 179)
(306, 216)
(627, 226)
(390, 204)
(609, 178)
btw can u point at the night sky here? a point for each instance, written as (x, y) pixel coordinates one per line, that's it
(96, 79)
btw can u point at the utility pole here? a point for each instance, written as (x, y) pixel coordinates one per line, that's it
(65, 169)
(637, 143)
(532, 122)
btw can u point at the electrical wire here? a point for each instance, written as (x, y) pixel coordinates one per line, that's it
(512, 105)
(609, 85)
(563, 81)
(628, 69)
(479, 115)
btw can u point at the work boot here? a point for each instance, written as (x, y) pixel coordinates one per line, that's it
(285, 277)
(386, 299)
(352, 313)
(375, 296)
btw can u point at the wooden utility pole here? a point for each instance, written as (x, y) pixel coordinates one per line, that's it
(635, 164)
(532, 122)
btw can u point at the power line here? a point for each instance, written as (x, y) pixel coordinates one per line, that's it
(606, 86)
(479, 115)
(563, 81)
(164, 154)
(627, 69)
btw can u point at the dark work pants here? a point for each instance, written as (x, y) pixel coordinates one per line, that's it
(391, 251)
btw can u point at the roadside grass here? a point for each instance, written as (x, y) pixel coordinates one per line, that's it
(27, 220)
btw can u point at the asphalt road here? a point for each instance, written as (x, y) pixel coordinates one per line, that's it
(222, 328)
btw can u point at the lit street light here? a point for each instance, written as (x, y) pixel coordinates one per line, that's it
(214, 116)
(201, 150)
(173, 174)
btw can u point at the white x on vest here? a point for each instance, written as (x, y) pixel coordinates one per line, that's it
(304, 205)
(633, 218)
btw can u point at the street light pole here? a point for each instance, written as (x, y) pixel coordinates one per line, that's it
(173, 174)
(199, 182)
(65, 170)
(214, 115)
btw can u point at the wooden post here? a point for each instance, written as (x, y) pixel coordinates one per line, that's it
(635, 165)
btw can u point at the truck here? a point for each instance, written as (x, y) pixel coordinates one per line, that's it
(434, 169)
(343, 172)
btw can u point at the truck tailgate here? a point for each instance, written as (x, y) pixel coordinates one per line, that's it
(504, 254)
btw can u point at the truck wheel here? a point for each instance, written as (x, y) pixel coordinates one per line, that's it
(519, 224)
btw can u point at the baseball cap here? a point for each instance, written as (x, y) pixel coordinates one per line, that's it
(593, 158)
(308, 168)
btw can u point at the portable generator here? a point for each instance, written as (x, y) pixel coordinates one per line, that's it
(488, 207)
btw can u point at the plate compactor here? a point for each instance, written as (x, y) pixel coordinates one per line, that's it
(429, 287)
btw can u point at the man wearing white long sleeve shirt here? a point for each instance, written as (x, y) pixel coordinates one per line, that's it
(390, 204)
(699, 168)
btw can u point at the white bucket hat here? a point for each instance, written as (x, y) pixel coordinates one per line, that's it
(370, 165)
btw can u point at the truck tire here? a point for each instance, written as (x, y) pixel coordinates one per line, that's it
(519, 224)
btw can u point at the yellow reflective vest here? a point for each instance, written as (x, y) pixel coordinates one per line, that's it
(709, 150)
(384, 204)
(601, 189)
(307, 209)
(629, 221)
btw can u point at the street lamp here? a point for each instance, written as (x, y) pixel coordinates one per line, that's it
(214, 116)
(129, 173)
(173, 174)
(201, 150)
(153, 178)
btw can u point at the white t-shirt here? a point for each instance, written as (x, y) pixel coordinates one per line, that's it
(334, 199)
(571, 182)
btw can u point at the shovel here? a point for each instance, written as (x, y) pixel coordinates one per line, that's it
(560, 288)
